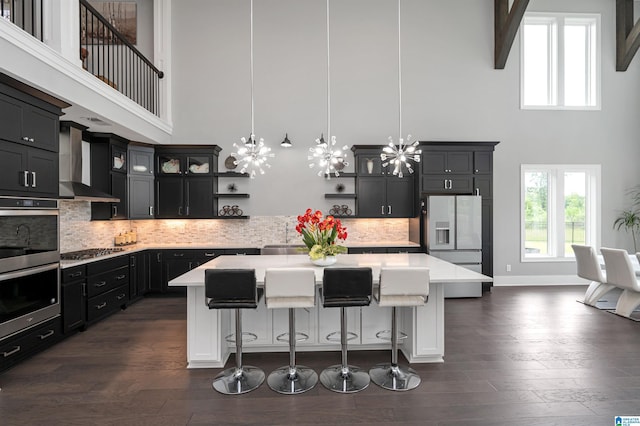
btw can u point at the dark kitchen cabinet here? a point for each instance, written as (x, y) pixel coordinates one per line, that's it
(73, 298)
(28, 121)
(141, 181)
(177, 262)
(185, 181)
(378, 192)
(109, 174)
(107, 287)
(156, 279)
(463, 168)
(27, 343)
(26, 171)
(138, 275)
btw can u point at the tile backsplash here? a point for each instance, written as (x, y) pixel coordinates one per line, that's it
(77, 231)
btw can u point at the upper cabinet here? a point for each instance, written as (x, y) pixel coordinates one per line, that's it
(109, 174)
(444, 162)
(140, 181)
(29, 141)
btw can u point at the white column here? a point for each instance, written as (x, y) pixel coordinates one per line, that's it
(62, 28)
(162, 53)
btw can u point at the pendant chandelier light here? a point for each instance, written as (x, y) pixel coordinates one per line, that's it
(250, 155)
(400, 156)
(325, 155)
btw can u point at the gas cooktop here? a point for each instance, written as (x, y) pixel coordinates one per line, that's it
(89, 253)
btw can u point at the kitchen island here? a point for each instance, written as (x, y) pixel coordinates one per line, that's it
(424, 325)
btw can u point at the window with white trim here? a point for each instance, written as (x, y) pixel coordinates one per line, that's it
(560, 61)
(559, 206)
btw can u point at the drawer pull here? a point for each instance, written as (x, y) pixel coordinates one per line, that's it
(45, 335)
(209, 254)
(178, 254)
(121, 277)
(120, 296)
(75, 274)
(100, 284)
(100, 306)
(11, 352)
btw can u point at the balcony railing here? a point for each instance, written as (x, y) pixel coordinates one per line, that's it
(107, 54)
(26, 14)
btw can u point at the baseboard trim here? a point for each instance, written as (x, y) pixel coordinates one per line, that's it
(539, 280)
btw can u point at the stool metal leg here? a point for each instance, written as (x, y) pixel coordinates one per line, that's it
(292, 379)
(344, 378)
(241, 378)
(392, 376)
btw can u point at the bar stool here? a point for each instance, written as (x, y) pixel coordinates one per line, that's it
(234, 289)
(291, 288)
(399, 287)
(342, 288)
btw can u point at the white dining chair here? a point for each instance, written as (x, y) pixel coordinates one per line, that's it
(589, 268)
(620, 273)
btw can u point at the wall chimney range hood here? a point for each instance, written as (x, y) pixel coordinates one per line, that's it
(71, 186)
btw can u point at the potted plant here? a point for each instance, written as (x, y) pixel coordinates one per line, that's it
(630, 219)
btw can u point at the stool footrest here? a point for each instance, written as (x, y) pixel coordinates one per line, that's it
(284, 337)
(231, 338)
(386, 335)
(336, 335)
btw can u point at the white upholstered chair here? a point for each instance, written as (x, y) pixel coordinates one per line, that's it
(620, 273)
(589, 268)
(399, 287)
(291, 288)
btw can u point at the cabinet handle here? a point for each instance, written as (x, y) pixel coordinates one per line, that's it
(178, 254)
(25, 138)
(180, 211)
(45, 335)
(187, 210)
(84, 289)
(121, 277)
(11, 352)
(450, 184)
(115, 210)
(100, 306)
(100, 284)
(31, 140)
(445, 184)
(150, 210)
(190, 265)
(210, 254)
(120, 296)
(25, 175)
(389, 208)
(381, 209)
(477, 171)
(159, 257)
(477, 191)
(33, 182)
(75, 274)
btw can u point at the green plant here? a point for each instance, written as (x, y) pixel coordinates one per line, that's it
(630, 221)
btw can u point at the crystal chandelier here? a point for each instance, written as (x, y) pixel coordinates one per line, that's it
(329, 159)
(399, 155)
(250, 155)
(326, 156)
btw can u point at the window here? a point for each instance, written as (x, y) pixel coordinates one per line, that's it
(560, 206)
(560, 61)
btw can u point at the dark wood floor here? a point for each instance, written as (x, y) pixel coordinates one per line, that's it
(519, 356)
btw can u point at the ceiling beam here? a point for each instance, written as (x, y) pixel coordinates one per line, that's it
(627, 34)
(506, 26)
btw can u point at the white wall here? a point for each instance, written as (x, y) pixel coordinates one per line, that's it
(450, 92)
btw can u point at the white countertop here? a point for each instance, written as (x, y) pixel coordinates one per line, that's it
(439, 270)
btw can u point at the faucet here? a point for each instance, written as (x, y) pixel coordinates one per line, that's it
(24, 225)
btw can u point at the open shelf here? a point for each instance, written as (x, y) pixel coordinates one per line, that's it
(340, 196)
(231, 174)
(342, 175)
(230, 195)
(231, 217)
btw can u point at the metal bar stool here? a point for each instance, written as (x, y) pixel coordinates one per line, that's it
(342, 288)
(399, 287)
(234, 289)
(291, 288)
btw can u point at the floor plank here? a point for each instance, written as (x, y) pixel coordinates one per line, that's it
(519, 356)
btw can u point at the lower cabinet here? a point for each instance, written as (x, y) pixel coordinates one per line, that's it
(107, 287)
(73, 298)
(20, 346)
(138, 275)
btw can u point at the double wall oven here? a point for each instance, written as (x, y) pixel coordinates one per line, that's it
(29, 263)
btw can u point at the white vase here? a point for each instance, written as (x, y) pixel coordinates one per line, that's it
(369, 165)
(325, 261)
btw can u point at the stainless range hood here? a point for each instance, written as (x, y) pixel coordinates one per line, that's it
(71, 186)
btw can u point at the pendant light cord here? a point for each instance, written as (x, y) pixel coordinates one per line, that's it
(399, 74)
(251, 63)
(328, 79)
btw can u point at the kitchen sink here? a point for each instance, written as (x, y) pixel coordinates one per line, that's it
(284, 249)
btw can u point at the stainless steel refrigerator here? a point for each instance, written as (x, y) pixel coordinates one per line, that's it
(453, 227)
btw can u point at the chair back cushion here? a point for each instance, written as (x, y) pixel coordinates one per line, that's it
(403, 285)
(231, 288)
(620, 271)
(347, 287)
(290, 287)
(587, 263)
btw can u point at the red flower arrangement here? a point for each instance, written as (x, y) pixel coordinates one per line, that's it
(320, 235)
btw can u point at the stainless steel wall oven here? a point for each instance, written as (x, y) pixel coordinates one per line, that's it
(29, 263)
